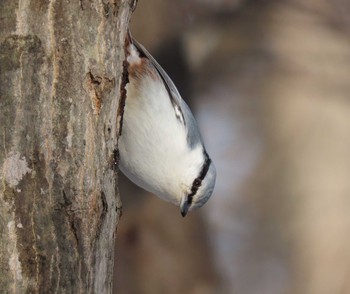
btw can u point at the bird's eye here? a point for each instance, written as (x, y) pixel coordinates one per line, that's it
(197, 182)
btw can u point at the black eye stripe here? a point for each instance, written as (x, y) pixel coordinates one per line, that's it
(198, 181)
(189, 199)
(205, 167)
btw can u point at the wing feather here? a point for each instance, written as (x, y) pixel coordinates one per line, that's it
(182, 111)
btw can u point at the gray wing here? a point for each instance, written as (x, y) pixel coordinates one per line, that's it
(182, 111)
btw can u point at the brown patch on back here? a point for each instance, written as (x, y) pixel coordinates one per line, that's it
(142, 69)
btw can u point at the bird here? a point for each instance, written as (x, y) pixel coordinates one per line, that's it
(160, 146)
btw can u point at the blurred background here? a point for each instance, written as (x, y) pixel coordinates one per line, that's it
(269, 83)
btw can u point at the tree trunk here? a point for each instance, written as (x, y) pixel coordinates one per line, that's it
(61, 66)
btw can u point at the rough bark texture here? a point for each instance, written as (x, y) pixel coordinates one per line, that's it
(60, 78)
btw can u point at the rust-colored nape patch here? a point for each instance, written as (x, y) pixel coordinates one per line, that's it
(142, 69)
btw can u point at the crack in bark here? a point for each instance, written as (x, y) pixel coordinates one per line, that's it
(98, 87)
(102, 215)
(115, 161)
(70, 217)
(122, 101)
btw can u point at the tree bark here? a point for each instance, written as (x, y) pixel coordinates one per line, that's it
(61, 68)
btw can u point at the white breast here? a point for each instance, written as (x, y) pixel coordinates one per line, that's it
(153, 147)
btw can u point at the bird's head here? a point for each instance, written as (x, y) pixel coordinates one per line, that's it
(200, 185)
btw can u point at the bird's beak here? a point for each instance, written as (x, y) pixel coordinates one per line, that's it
(184, 207)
